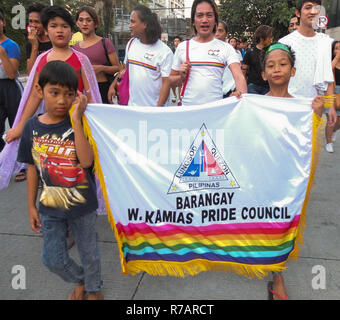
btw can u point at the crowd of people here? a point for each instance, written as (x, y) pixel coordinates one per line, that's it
(205, 68)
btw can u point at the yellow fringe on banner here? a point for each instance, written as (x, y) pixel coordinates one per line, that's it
(100, 176)
(318, 129)
(193, 267)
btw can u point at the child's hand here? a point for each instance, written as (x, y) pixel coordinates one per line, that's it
(80, 105)
(317, 105)
(34, 220)
(13, 134)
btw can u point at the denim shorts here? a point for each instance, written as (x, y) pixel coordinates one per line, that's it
(336, 91)
(55, 254)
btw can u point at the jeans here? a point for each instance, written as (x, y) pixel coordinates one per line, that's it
(55, 254)
(254, 88)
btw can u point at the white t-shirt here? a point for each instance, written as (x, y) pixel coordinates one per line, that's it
(148, 64)
(208, 61)
(306, 53)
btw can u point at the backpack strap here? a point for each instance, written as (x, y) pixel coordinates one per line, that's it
(187, 76)
(127, 60)
(105, 49)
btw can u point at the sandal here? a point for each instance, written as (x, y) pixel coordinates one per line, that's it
(271, 293)
(21, 176)
(95, 296)
(78, 293)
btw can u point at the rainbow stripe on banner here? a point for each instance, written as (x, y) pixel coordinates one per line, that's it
(226, 210)
(250, 243)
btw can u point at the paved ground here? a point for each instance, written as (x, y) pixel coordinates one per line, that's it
(19, 246)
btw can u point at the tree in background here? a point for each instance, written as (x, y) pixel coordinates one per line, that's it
(244, 16)
(19, 35)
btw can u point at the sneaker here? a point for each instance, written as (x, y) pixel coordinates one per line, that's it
(334, 136)
(173, 100)
(329, 147)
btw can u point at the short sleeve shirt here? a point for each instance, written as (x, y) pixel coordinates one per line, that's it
(72, 61)
(148, 64)
(305, 49)
(68, 190)
(207, 63)
(13, 52)
(96, 52)
(254, 72)
(42, 47)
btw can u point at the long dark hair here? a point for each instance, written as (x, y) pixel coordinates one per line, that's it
(153, 29)
(194, 8)
(92, 13)
(333, 47)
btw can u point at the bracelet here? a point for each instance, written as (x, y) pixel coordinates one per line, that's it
(329, 100)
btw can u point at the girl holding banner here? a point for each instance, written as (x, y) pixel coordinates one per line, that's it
(278, 66)
(200, 62)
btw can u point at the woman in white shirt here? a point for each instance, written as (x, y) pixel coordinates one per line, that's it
(228, 80)
(149, 60)
(208, 57)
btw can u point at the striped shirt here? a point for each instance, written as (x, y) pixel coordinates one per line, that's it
(148, 64)
(208, 61)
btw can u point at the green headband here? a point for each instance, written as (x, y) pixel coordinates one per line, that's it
(276, 46)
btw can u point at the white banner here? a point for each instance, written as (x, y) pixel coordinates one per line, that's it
(224, 183)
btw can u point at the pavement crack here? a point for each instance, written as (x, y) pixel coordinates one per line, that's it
(20, 235)
(137, 287)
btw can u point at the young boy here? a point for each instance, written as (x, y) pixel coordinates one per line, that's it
(58, 23)
(62, 156)
(251, 66)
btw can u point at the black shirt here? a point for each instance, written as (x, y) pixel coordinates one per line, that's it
(42, 47)
(69, 191)
(252, 60)
(337, 76)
